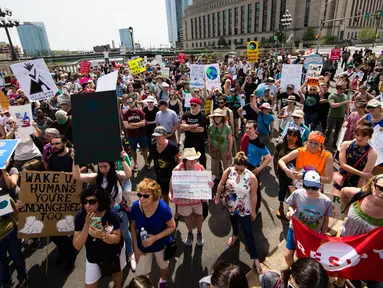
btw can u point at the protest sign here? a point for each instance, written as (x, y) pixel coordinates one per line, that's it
(191, 185)
(213, 78)
(35, 79)
(312, 59)
(23, 117)
(313, 74)
(130, 197)
(84, 67)
(2, 81)
(188, 97)
(252, 51)
(3, 102)
(336, 205)
(181, 58)
(158, 58)
(137, 66)
(107, 82)
(360, 74)
(89, 122)
(335, 54)
(292, 125)
(352, 257)
(5, 205)
(208, 106)
(342, 132)
(377, 143)
(7, 146)
(197, 74)
(51, 200)
(165, 71)
(291, 74)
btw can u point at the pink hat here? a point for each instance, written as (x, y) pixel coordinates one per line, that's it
(266, 106)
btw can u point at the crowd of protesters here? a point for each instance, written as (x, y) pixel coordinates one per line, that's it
(236, 126)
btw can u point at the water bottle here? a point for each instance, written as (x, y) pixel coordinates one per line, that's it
(117, 207)
(143, 234)
(291, 166)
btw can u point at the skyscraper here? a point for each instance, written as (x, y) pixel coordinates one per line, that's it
(175, 11)
(34, 39)
(126, 38)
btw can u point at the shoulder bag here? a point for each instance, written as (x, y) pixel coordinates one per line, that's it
(263, 121)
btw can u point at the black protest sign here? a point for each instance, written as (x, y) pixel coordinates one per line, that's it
(96, 127)
(51, 200)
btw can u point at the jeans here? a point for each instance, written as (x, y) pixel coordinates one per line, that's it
(126, 233)
(247, 229)
(284, 183)
(331, 123)
(312, 120)
(11, 244)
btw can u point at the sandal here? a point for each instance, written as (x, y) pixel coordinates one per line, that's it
(257, 267)
(232, 241)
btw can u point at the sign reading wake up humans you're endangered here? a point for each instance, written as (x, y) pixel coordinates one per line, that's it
(51, 200)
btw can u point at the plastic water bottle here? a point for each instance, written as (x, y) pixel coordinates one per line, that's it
(117, 207)
(143, 234)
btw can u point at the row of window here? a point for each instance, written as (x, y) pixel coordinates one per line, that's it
(207, 44)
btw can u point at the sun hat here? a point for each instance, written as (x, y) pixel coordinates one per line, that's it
(374, 103)
(298, 113)
(311, 178)
(165, 85)
(159, 131)
(265, 106)
(151, 99)
(190, 154)
(291, 98)
(218, 113)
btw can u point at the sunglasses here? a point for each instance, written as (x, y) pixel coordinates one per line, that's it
(146, 196)
(193, 105)
(56, 143)
(130, 102)
(296, 117)
(11, 122)
(312, 89)
(312, 188)
(90, 201)
(379, 187)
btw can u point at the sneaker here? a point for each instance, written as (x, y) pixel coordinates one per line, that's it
(163, 284)
(189, 240)
(200, 240)
(133, 264)
(24, 283)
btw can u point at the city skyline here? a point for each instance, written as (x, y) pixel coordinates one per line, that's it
(81, 29)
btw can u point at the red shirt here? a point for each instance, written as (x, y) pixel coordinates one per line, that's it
(135, 116)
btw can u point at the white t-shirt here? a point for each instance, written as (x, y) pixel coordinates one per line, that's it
(26, 149)
(119, 192)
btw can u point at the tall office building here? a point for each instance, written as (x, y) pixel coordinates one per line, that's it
(34, 39)
(174, 12)
(126, 38)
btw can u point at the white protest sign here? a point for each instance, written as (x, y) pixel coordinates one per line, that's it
(23, 117)
(291, 74)
(213, 78)
(340, 137)
(165, 72)
(377, 143)
(159, 58)
(292, 125)
(5, 205)
(35, 79)
(197, 73)
(191, 185)
(336, 205)
(107, 82)
(188, 97)
(314, 71)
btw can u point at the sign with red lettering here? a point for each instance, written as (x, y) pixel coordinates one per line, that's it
(84, 67)
(352, 257)
(181, 58)
(335, 54)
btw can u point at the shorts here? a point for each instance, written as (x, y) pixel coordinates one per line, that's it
(188, 210)
(142, 140)
(290, 243)
(93, 272)
(144, 265)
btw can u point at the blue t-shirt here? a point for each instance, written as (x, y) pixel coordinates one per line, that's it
(255, 151)
(369, 119)
(153, 225)
(267, 119)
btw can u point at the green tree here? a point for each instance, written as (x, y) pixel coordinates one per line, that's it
(309, 34)
(366, 33)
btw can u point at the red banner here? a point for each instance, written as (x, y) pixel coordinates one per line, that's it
(181, 58)
(335, 54)
(353, 257)
(84, 67)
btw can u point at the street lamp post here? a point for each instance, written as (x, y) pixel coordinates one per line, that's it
(8, 22)
(131, 37)
(285, 22)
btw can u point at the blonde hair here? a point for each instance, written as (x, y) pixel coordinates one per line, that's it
(152, 185)
(367, 188)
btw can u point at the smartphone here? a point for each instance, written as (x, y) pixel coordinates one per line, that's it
(96, 222)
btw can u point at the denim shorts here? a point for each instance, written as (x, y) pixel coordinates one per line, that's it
(142, 140)
(290, 243)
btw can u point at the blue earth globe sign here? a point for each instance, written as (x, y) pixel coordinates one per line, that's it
(212, 73)
(252, 46)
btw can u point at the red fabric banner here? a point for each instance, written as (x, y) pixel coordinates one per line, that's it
(181, 58)
(335, 54)
(84, 67)
(352, 257)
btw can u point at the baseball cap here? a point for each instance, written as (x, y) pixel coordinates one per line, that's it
(374, 103)
(270, 79)
(311, 179)
(159, 131)
(290, 86)
(195, 101)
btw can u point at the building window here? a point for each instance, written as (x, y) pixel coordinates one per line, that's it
(219, 23)
(241, 41)
(192, 45)
(230, 21)
(186, 30)
(192, 29)
(307, 12)
(248, 39)
(264, 20)
(242, 19)
(224, 22)
(187, 45)
(195, 28)
(204, 44)
(273, 14)
(229, 42)
(257, 13)
(214, 26)
(208, 25)
(200, 27)
(236, 20)
(200, 44)
(204, 26)
(249, 15)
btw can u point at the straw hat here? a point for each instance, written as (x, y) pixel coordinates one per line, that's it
(218, 113)
(190, 154)
(298, 113)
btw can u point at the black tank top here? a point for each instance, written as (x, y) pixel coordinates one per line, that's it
(175, 108)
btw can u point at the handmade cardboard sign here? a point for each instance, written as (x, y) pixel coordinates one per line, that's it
(84, 67)
(51, 200)
(197, 74)
(96, 127)
(191, 185)
(291, 74)
(23, 117)
(5, 205)
(137, 66)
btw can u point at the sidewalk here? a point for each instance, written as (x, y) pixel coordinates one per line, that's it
(276, 261)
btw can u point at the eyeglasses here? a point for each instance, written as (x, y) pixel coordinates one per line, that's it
(146, 196)
(313, 89)
(296, 117)
(379, 187)
(193, 105)
(56, 143)
(90, 201)
(342, 88)
(289, 88)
